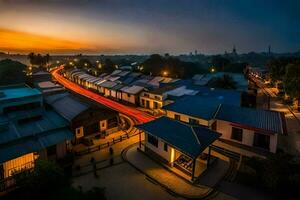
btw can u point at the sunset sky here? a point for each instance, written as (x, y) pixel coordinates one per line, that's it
(148, 26)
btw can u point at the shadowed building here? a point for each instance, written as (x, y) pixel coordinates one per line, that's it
(28, 131)
(84, 118)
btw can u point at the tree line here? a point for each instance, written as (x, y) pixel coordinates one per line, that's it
(286, 71)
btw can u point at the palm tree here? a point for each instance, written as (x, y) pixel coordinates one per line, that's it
(31, 57)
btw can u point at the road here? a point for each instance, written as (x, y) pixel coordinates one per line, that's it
(139, 116)
(291, 142)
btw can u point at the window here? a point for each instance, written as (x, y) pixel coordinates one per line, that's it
(153, 140)
(237, 134)
(155, 105)
(193, 121)
(143, 102)
(261, 141)
(177, 117)
(166, 147)
(146, 95)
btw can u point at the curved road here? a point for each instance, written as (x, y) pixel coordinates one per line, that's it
(139, 116)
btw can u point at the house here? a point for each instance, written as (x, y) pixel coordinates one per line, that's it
(179, 145)
(250, 127)
(84, 118)
(154, 99)
(48, 88)
(201, 109)
(28, 130)
(40, 76)
(130, 94)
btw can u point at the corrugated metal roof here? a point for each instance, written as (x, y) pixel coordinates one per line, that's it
(74, 106)
(256, 118)
(132, 89)
(201, 106)
(191, 140)
(49, 120)
(108, 84)
(35, 143)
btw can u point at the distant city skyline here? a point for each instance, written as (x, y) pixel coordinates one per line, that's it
(145, 27)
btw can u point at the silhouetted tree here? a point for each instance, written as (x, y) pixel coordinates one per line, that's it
(225, 81)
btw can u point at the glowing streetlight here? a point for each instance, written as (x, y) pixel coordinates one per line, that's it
(57, 61)
(212, 70)
(97, 61)
(100, 66)
(71, 63)
(165, 73)
(85, 64)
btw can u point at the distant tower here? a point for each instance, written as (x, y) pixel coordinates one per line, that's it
(196, 52)
(269, 49)
(234, 50)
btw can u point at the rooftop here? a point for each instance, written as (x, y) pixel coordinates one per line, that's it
(203, 106)
(74, 106)
(17, 91)
(263, 120)
(191, 140)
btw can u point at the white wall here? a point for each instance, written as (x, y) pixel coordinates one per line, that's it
(225, 129)
(185, 118)
(160, 149)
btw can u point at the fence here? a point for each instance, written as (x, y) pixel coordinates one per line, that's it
(113, 141)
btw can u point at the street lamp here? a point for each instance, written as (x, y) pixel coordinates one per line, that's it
(165, 73)
(212, 70)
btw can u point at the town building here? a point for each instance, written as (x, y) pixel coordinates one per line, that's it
(201, 108)
(49, 88)
(40, 76)
(85, 119)
(28, 131)
(158, 97)
(179, 145)
(250, 127)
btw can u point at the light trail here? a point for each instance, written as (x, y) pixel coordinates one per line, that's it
(139, 116)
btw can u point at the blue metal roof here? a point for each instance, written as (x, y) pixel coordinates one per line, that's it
(271, 121)
(33, 143)
(191, 140)
(14, 130)
(17, 91)
(205, 105)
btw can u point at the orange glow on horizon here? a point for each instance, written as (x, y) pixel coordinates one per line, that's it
(18, 41)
